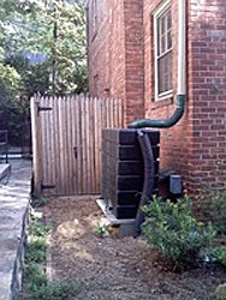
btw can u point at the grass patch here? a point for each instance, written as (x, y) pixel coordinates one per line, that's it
(36, 284)
(36, 246)
(52, 291)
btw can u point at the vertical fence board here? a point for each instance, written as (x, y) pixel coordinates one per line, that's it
(57, 146)
(74, 179)
(62, 144)
(36, 146)
(92, 148)
(69, 145)
(87, 144)
(44, 150)
(83, 148)
(54, 146)
(52, 142)
(95, 122)
(78, 141)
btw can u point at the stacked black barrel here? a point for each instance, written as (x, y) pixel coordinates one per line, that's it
(123, 169)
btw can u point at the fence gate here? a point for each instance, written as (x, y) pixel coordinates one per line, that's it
(66, 138)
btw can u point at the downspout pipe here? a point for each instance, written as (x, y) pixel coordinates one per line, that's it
(149, 178)
(177, 115)
(181, 90)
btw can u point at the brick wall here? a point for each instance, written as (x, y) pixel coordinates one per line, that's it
(116, 54)
(207, 48)
(134, 60)
(106, 49)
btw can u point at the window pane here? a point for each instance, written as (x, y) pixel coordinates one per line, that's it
(165, 73)
(169, 72)
(158, 37)
(169, 39)
(169, 20)
(163, 44)
(163, 29)
(161, 75)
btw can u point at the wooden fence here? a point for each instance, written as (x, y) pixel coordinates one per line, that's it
(66, 135)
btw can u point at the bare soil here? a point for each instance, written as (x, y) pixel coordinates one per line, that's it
(116, 269)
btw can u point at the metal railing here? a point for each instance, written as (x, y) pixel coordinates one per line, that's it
(4, 144)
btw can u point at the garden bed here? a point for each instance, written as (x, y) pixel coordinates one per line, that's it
(111, 268)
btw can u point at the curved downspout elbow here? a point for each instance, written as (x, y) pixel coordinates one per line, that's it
(177, 115)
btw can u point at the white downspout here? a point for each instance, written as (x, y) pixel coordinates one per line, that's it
(181, 87)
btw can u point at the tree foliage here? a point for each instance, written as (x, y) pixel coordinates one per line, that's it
(43, 49)
(53, 28)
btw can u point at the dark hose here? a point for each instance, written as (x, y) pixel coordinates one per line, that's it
(149, 177)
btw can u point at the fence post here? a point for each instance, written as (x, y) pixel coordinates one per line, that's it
(36, 147)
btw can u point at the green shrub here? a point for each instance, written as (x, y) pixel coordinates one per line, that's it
(217, 210)
(218, 254)
(37, 227)
(52, 291)
(35, 250)
(101, 229)
(34, 276)
(173, 230)
(39, 202)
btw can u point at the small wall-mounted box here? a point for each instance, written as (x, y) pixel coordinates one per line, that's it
(175, 184)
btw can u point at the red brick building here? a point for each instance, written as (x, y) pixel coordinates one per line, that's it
(133, 54)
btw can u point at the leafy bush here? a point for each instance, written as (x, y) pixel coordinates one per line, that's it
(218, 254)
(173, 230)
(217, 210)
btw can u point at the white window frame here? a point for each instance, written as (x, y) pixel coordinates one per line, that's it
(157, 13)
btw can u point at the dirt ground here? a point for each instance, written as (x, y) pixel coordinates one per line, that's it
(116, 269)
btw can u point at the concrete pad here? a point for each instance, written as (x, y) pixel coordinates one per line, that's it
(5, 285)
(126, 226)
(14, 203)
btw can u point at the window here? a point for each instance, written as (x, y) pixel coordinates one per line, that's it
(163, 51)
